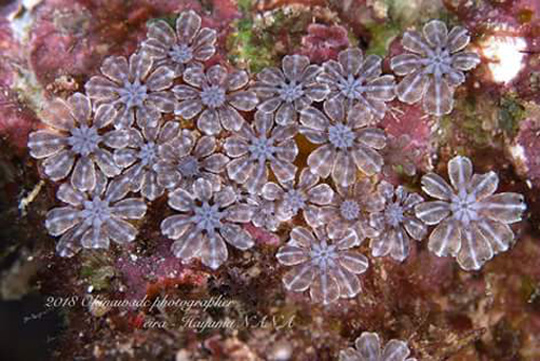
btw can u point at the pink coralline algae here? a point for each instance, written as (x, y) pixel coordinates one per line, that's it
(77, 139)
(346, 143)
(188, 43)
(434, 67)
(261, 146)
(472, 222)
(357, 82)
(93, 219)
(324, 263)
(368, 348)
(135, 88)
(323, 42)
(207, 220)
(215, 96)
(289, 90)
(396, 223)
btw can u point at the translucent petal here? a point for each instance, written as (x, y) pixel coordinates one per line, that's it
(95, 238)
(147, 116)
(381, 246)
(475, 249)
(504, 207)
(432, 212)
(344, 170)
(116, 139)
(162, 32)
(154, 48)
(150, 188)
(321, 194)
(299, 278)
(368, 160)
(131, 208)
(235, 147)
(483, 185)
(237, 80)
(499, 235)
(291, 255)
(120, 231)
(44, 143)
(263, 122)
(286, 114)
(160, 79)
(81, 108)
(270, 105)
(239, 169)
(413, 42)
(208, 122)
(105, 162)
(140, 65)
(236, 236)
(217, 75)
(184, 92)
(445, 239)
(351, 60)
(214, 251)
(271, 76)
(465, 60)
(316, 92)
(460, 171)
(168, 132)
(187, 26)
(283, 170)
(202, 189)
(163, 101)
(58, 115)
(314, 119)
(348, 354)
(372, 137)
(321, 160)
(230, 118)
(60, 220)
(415, 228)
(411, 89)
(68, 245)
(458, 39)
(215, 163)
(349, 285)
(294, 65)
(325, 288)
(399, 244)
(225, 197)
(382, 88)
(436, 186)
(244, 100)
(286, 151)
(271, 191)
(105, 114)
(115, 68)
(353, 261)
(194, 75)
(439, 98)
(175, 226)
(188, 245)
(307, 179)
(67, 194)
(436, 33)
(283, 135)
(302, 237)
(309, 76)
(369, 346)
(395, 350)
(404, 64)
(205, 146)
(239, 213)
(371, 68)
(181, 200)
(84, 175)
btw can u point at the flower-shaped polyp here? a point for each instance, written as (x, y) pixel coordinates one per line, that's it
(217, 96)
(435, 66)
(356, 81)
(395, 223)
(187, 45)
(264, 213)
(258, 146)
(368, 348)
(185, 159)
(472, 222)
(141, 156)
(206, 221)
(306, 195)
(350, 206)
(76, 136)
(137, 89)
(324, 263)
(346, 143)
(92, 219)
(291, 90)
